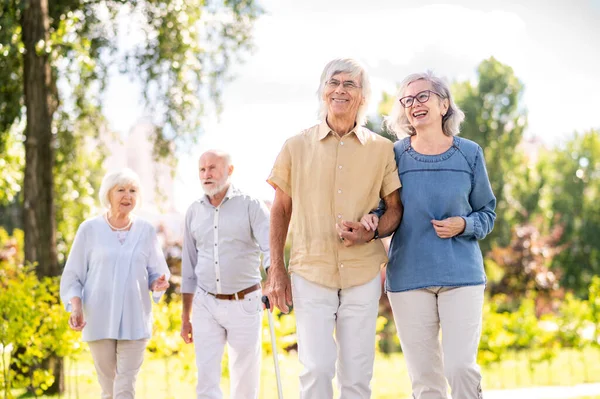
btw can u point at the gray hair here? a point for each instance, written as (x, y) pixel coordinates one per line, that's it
(117, 178)
(397, 121)
(356, 70)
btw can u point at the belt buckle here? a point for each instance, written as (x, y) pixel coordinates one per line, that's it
(236, 296)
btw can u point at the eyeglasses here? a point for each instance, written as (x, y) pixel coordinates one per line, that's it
(347, 84)
(421, 97)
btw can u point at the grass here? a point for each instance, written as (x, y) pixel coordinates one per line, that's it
(175, 377)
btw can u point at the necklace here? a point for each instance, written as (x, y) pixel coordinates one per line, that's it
(117, 228)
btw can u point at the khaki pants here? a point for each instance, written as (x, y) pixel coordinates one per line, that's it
(419, 315)
(117, 364)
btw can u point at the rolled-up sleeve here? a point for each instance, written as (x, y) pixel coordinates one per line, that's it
(259, 218)
(480, 222)
(281, 174)
(75, 272)
(189, 257)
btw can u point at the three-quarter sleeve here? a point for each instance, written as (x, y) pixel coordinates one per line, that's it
(75, 271)
(480, 222)
(189, 257)
(157, 265)
(259, 222)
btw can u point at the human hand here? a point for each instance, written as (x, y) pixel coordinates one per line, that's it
(449, 227)
(186, 331)
(76, 320)
(352, 233)
(370, 221)
(278, 288)
(160, 284)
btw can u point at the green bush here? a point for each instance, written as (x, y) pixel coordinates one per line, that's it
(33, 323)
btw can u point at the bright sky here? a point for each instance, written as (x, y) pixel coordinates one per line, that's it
(552, 45)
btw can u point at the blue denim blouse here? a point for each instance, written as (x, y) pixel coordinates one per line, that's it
(454, 183)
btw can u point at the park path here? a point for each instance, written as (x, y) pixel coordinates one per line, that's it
(553, 392)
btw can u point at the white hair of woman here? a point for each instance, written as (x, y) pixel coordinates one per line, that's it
(119, 177)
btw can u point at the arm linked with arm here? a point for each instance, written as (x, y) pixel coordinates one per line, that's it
(392, 214)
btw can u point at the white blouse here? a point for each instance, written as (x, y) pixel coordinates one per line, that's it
(113, 279)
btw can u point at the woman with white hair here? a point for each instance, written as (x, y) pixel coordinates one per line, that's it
(114, 264)
(435, 275)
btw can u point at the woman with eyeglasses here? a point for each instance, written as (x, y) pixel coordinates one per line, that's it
(435, 275)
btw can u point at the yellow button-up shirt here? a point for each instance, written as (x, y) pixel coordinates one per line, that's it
(331, 179)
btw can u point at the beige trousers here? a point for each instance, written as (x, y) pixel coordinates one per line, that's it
(349, 315)
(117, 364)
(419, 315)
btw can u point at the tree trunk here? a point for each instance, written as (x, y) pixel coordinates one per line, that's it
(39, 221)
(38, 214)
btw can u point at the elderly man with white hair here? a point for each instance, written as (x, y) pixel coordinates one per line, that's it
(115, 261)
(326, 178)
(226, 231)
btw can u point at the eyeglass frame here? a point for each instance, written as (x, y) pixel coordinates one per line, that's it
(417, 95)
(353, 85)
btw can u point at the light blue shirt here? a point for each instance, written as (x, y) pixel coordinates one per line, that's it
(222, 245)
(454, 183)
(113, 280)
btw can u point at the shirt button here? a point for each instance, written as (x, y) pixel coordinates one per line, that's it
(216, 263)
(341, 143)
(341, 265)
(340, 167)
(215, 227)
(217, 279)
(216, 210)
(215, 244)
(339, 191)
(339, 216)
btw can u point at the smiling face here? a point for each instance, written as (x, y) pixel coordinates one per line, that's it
(123, 198)
(214, 173)
(426, 114)
(343, 96)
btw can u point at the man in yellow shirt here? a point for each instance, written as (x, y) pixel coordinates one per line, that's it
(326, 178)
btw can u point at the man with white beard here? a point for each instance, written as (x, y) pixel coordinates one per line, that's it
(225, 233)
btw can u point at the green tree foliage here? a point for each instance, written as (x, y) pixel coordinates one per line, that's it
(495, 120)
(571, 199)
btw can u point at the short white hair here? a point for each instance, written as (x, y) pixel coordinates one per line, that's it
(397, 121)
(119, 177)
(355, 70)
(220, 153)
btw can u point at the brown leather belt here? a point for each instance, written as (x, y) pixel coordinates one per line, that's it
(237, 295)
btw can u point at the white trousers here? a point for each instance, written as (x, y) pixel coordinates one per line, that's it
(237, 323)
(352, 314)
(118, 363)
(418, 315)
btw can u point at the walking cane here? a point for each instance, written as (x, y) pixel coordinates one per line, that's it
(265, 300)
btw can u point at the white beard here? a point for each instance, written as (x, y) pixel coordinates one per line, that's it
(216, 188)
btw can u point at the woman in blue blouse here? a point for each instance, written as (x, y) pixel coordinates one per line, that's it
(114, 263)
(435, 275)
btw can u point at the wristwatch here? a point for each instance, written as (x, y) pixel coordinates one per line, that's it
(376, 236)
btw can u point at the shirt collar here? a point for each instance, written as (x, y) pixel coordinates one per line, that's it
(231, 192)
(358, 131)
